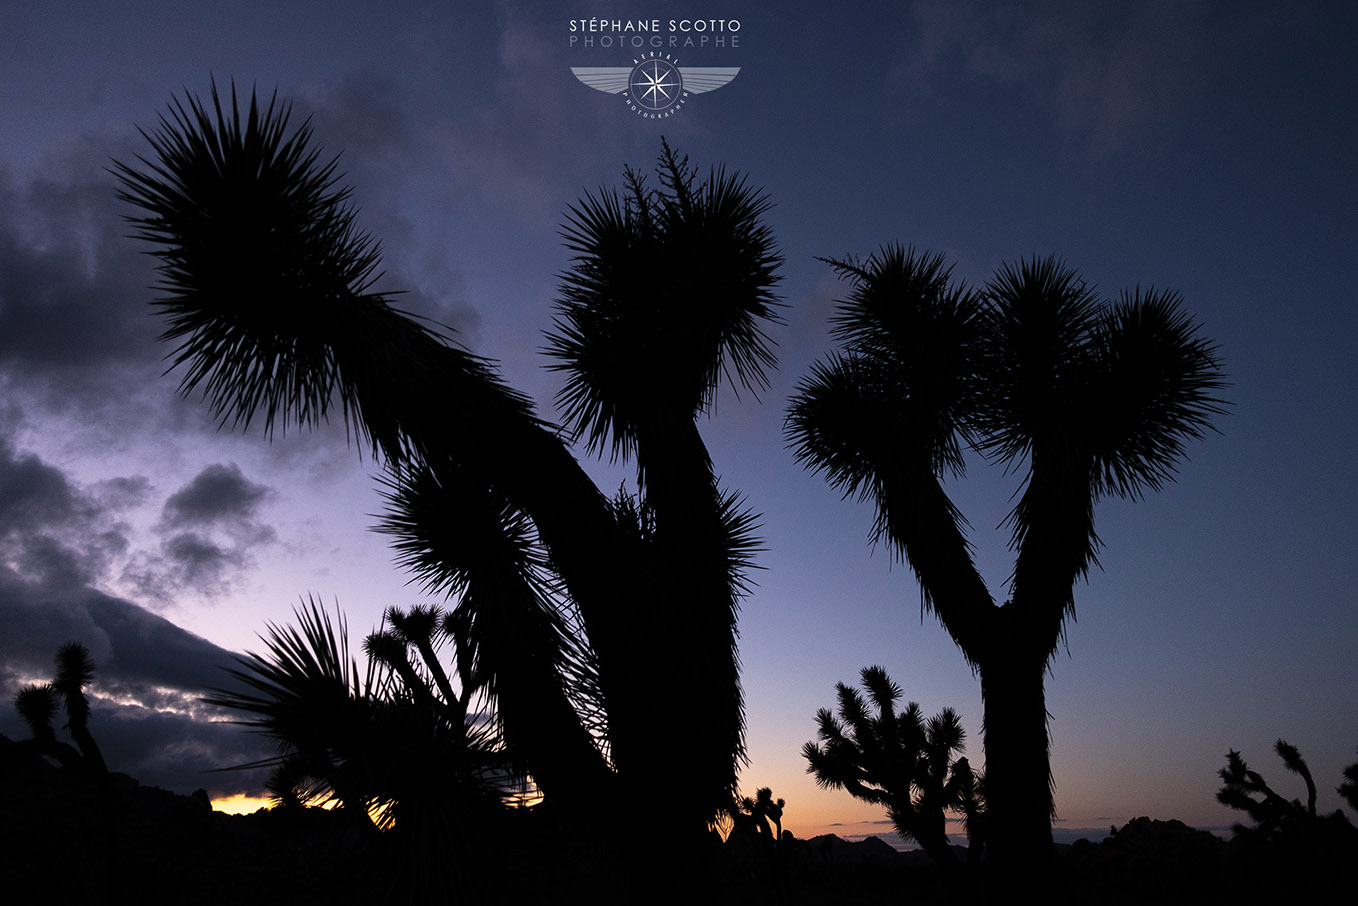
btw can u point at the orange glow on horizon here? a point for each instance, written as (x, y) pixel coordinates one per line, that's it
(240, 804)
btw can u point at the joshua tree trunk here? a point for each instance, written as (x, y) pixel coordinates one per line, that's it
(932, 837)
(698, 691)
(1018, 766)
(89, 750)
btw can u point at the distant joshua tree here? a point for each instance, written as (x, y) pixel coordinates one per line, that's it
(898, 760)
(38, 704)
(1290, 846)
(1274, 815)
(763, 814)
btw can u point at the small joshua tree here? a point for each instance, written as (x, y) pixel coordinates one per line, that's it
(760, 816)
(1274, 815)
(1245, 790)
(1290, 845)
(901, 761)
(37, 705)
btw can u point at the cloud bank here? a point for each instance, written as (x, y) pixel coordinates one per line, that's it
(58, 540)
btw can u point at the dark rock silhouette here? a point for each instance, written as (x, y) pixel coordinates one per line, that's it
(1148, 861)
(146, 845)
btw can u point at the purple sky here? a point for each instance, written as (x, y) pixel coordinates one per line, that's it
(1203, 147)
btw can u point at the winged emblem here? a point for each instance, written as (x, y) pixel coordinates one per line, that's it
(693, 79)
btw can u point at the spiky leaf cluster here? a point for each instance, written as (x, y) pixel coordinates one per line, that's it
(1245, 790)
(258, 253)
(1034, 371)
(669, 293)
(362, 738)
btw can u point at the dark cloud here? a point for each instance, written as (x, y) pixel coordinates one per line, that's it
(532, 164)
(32, 493)
(57, 539)
(200, 560)
(51, 562)
(209, 531)
(52, 531)
(122, 492)
(361, 117)
(219, 492)
(61, 535)
(192, 562)
(73, 290)
(132, 645)
(149, 678)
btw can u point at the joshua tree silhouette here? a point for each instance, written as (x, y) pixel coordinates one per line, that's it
(37, 705)
(1272, 814)
(1290, 847)
(267, 290)
(763, 813)
(1034, 372)
(900, 761)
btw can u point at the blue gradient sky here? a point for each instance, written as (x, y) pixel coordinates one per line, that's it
(1204, 147)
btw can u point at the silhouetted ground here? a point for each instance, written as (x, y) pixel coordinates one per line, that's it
(63, 839)
(66, 839)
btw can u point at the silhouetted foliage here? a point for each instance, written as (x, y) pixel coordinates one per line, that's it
(1245, 790)
(385, 744)
(756, 851)
(560, 593)
(901, 761)
(1349, 788)
(1289, 847)
(361, 740)
(761, 816)
(1035, 373)
(38, 705)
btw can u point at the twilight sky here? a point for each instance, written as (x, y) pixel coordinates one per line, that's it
(1203, 147)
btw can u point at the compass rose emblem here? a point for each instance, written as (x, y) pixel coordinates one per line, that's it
(655, 84)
